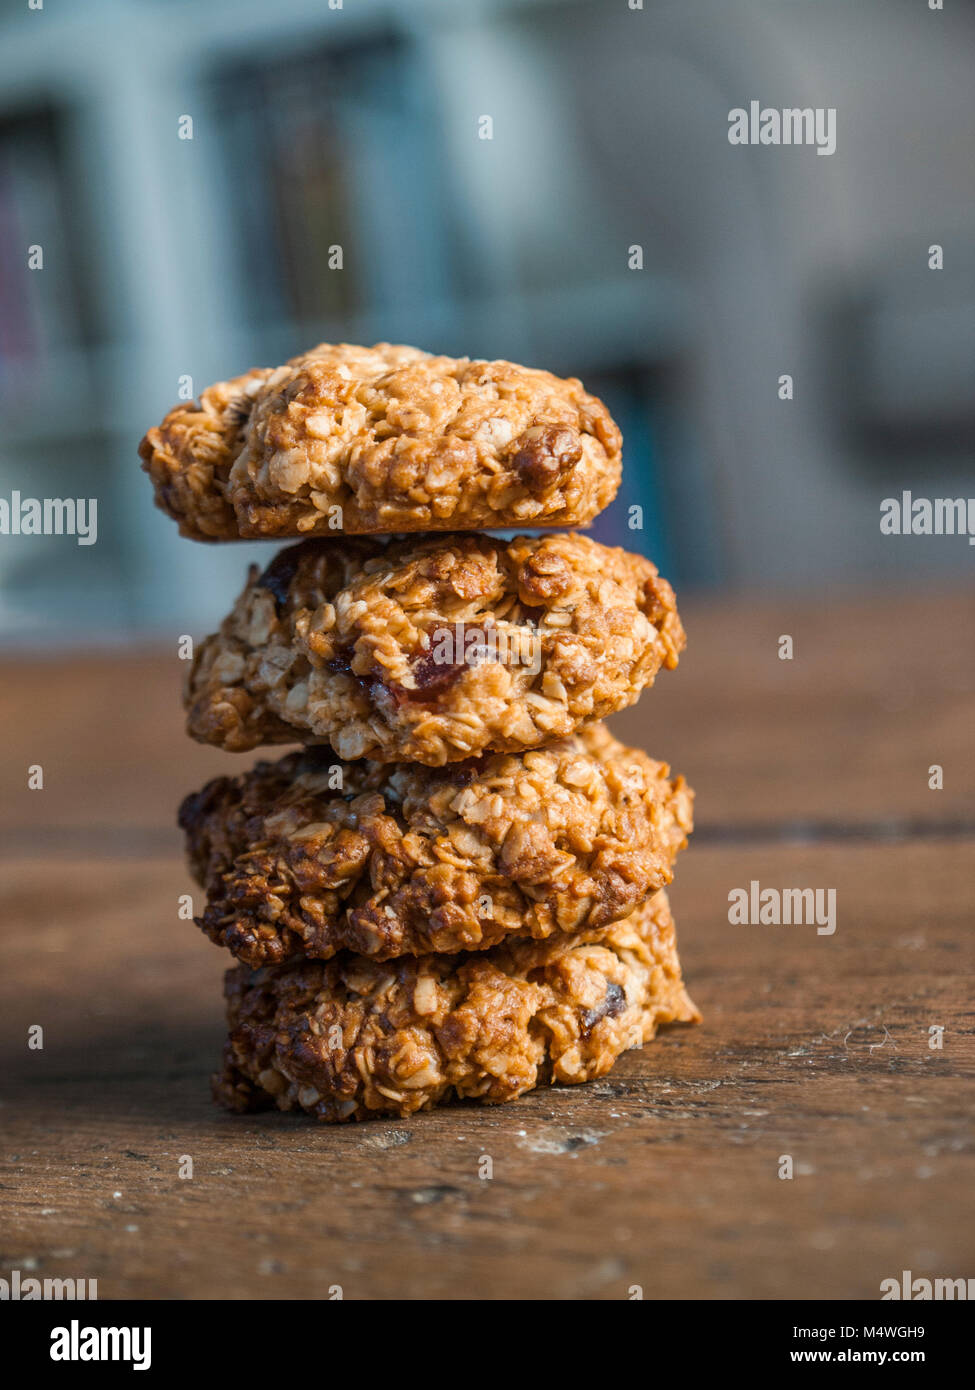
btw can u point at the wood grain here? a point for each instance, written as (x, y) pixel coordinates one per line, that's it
(842, 735)
(664, 1174)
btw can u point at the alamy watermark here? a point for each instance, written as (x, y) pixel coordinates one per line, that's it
(77, 1343)
(463, 644)
(793, 125)
(908, 515)
(923, 1290)
(756, 906)
(50, 516)
(26, 1289)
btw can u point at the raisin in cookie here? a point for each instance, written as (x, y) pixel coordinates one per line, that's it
(372, 440)
(433, 649)
(351, 1038)
(309, 855)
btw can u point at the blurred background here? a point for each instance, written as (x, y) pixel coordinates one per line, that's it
(166, 258)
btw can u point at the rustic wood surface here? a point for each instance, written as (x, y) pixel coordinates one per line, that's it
(663, 1175)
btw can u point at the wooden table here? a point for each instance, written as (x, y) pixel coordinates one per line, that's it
(665, 1175)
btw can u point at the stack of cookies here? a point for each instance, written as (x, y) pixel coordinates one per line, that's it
(455, 887)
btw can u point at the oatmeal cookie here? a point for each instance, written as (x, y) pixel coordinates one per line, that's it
(433, 649)
(351, 1038)
(381, 439)
(309, 855)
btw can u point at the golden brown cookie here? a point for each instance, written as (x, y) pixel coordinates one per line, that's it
(351, 1038)
(434, 649)
(383, 439)
(310, 855)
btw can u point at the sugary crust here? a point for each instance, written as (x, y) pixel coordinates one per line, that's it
(309, 856)
(352, 1038)
(433, 649)
(398, 439)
